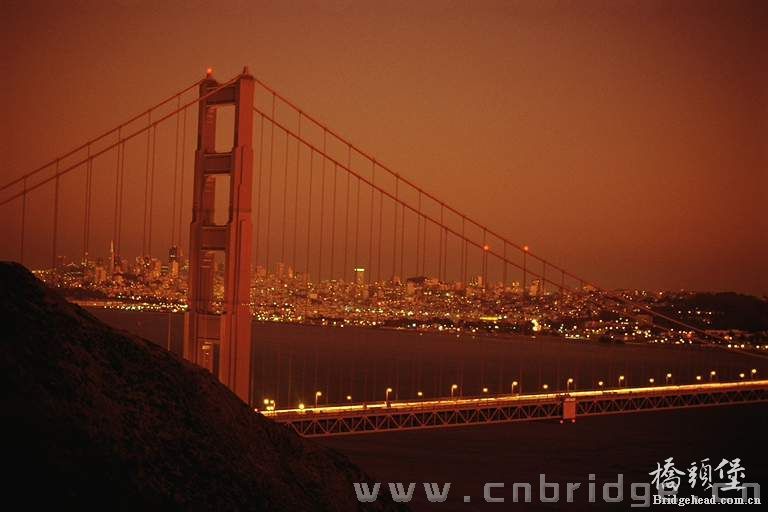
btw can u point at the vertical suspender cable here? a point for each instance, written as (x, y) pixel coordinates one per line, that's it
(445, 253)
(151, 190)
(370, 227)
(285, 198)
(269, 183)
(333, 217)
(357, 223)
(394, 229)
(463, 251)
(309, 209)
(346, 213)
(120, 203)
(418, 236)
(296, 195)
(504, 276)
(117, 189)
(175, 176)
(146, 187)
(23, 219)
(525, 276)
(55, 216)
(87, 202)
(402, 243)
(381, 223)
(484, 253)
(322, 213)
(440, 251)
(181, 179)
(258, 188)
(424, 248)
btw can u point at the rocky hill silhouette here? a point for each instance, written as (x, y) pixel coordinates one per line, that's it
(98, 418)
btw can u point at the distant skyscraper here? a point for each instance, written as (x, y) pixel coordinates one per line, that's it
(359, 275)
(111, 257)
(173, 254)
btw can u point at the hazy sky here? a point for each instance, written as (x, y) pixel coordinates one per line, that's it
(627, 141)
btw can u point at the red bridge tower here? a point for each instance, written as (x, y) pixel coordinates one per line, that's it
(217, 331)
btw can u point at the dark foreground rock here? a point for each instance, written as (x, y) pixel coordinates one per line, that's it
(97, 418)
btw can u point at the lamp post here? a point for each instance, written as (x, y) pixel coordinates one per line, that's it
(621, 380)
(454, 387)
(668, 379)
(568, 383)
(600, 384)
(419, 394)
(753, 372)
(698, 378)
(386, 396)
(741, 375)
(712, 375)
(318, 394)
(513, 386)
(545, 387)
(349, 398)
(485, 390)
(651, 380)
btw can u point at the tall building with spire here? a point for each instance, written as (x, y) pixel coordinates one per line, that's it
(111, 257)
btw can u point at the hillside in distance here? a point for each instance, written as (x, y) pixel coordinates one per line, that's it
(98, 418)
(722, 310)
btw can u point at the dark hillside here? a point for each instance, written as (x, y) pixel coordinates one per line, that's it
(97, 418)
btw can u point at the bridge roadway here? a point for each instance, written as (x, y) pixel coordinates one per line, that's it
(335, 420)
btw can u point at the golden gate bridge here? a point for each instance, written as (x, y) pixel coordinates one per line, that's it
(270, 184)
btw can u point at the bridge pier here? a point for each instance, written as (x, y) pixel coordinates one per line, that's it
(217, 331)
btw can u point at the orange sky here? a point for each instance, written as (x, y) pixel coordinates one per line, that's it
(624, 140)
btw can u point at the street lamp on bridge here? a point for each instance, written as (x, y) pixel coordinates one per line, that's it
(712, 375)
(545, 387)
(454, 387)
(753, 372)
(621, 380)
(600, 384)
(651, 380)
(514, 385)
(668, 378)
(568, 383)
(386, 396)
(318, 394)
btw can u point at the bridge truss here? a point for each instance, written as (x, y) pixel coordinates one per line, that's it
(468, 412)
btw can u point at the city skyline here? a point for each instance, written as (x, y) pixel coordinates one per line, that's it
(671, 194)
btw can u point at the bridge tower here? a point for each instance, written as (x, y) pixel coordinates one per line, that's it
(217, 330)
